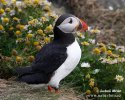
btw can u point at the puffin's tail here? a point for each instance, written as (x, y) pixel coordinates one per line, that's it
(22, 71)
(34, 78)
(26, 75)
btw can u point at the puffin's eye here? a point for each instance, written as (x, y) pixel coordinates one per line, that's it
(70, 21)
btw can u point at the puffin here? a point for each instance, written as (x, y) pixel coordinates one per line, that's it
(58, 58)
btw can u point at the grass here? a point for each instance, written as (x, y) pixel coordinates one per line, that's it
(22, 91)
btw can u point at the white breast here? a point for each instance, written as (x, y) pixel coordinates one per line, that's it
(74, 55)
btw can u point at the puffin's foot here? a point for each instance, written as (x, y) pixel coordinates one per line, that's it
(50, 89)
(57, 91)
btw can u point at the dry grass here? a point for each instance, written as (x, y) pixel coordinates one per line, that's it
(10, 90)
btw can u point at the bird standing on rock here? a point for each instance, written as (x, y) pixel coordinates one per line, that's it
(57, 59)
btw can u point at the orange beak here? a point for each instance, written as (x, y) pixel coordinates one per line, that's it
(83, 26)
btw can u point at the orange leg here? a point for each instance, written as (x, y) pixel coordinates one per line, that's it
(50, 88)
(57, 91)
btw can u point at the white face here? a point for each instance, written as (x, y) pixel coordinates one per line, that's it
(69, 25)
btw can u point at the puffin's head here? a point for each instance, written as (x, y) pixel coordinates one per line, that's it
(68, 23)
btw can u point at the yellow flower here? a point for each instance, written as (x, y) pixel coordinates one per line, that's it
(109, 52)
(16, 19)
(87, 76)
(14, 1)
(85, 43)
(18, 33)
(113, 45)
(91, 80)
(5, 20)
(43, 19)
(11, 28)
(29, 35)
(80, 35)
(49, 28)
(103, 49)
(7, 9)
(40, 32)
(3, 1)
(47, 39)
(19, 40)
(88, 92)
(38, 48)
(28, 2)
(19, 26)
(36, 43)
(22, 27)
(96, 51)
(1, 27)
(101, 45)
(121, 50)
(119, 78)
(115, 55)
(95, 31)
(52, 15)
(19, 10)
(36, 1)
(1, 11)
(121, 59)
(91, 84)
(96, 90)
(33, 22)
(31, 58)
(27, 42)
(14, 52)
(19, 59)
(46, 8)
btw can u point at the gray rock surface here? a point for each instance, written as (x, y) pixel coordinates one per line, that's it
(105, 3)
(113, 3)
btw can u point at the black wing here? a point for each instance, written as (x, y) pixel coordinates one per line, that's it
(50, 58)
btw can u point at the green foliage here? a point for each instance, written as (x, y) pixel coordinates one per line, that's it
(24, 29)
(99, 65)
